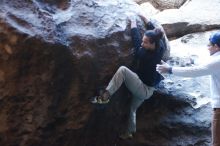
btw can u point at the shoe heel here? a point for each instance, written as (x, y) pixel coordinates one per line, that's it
(94, 100)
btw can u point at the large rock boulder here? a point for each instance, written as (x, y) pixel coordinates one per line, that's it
(54, 55)
(194, 16)
(163, 4)
(148, 9)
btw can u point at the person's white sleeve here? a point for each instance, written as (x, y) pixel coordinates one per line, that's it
(196, 71)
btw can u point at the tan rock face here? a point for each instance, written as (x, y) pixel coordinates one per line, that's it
(164, 4)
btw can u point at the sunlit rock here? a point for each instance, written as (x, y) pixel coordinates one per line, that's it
(164, 4)
(194, 16)
(148, 10)
(190, 50)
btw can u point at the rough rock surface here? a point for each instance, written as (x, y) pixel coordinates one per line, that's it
(163, 4)
(148, 10)
(194, 16)
(190, 50)
(54, 55)
(51, 65)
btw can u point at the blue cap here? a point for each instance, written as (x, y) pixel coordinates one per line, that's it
(215, 39)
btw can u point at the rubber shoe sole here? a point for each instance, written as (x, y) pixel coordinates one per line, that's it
(96, 100)
(126, 136)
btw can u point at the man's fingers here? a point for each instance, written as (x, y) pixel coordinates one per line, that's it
(159, 67)
(162, 62)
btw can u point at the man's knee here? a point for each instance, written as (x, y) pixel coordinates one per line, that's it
(122, 69)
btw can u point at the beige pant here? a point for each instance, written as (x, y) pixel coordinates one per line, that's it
(132, 82)
(216, 127)
(139, 90)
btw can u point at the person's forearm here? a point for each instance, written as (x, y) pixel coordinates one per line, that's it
(191, 71)
(136, 38)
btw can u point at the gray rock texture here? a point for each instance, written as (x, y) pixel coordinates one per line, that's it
(194, 16)
(55, 54)
(164, 4)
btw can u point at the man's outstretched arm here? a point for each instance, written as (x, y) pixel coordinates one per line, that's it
(136, 36)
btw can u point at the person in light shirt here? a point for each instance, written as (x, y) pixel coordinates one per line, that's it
(211, 67)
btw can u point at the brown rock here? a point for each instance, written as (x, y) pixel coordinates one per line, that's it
(61, 55)
(53, 60)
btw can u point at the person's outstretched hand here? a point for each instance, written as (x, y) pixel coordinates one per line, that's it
(163, 67)
(132, 20)
(143, 18)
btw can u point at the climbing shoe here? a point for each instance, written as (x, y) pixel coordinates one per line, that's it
(126, 135)
(103, 98)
